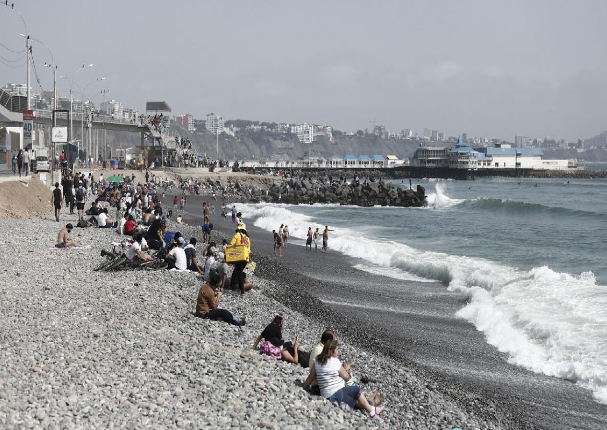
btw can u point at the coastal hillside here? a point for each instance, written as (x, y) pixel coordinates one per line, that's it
(270, 145)
(581, 154)
(600, 140)
(265, 145)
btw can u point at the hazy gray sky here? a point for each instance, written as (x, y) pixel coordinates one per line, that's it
(490, 68)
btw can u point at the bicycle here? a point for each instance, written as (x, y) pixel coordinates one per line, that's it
(117, 260)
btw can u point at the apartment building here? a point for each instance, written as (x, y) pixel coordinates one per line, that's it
(214, 123)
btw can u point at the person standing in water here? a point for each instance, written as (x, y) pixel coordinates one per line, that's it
(325, 238)
(315, 239)
(309, 239)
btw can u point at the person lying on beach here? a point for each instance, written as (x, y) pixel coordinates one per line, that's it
(332, 377)
(207, 304)
(290, 351)
(63, 240)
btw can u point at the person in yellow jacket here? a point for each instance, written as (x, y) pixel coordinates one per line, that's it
(241, 237)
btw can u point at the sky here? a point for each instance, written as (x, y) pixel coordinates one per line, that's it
(490, 68)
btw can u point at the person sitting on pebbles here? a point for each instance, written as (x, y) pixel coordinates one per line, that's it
(332, 377)
(63, 240)
(290, 351)
(207, 304)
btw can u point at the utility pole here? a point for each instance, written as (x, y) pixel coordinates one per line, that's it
(72, 124)
(55, 87)
(29, 63)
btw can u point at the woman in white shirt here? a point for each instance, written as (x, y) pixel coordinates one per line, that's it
(332, 377)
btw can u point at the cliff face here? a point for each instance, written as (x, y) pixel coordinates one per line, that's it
(264, 144)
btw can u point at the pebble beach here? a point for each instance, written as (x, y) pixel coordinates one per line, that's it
(85, 349)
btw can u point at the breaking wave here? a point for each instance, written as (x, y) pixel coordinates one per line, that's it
(548, 322)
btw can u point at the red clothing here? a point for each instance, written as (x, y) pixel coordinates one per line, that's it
(129, 226)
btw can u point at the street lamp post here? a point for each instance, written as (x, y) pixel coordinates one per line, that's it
(88, 147)
(71, 81)
(29, 66)
(54, 83)
(104, 92)
(94, 144)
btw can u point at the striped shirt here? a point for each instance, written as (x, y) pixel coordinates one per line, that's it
(328, 377)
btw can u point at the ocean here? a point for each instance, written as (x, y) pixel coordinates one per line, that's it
(528, 255)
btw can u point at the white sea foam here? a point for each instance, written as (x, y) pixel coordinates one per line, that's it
(548, 322)
(439, 200)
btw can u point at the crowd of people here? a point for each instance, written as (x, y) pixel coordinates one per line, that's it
(140, 219)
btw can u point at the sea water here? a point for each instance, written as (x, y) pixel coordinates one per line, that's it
(529, 253)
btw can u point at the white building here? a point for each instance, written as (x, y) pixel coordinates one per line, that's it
(186, 121)
(306, 133)
(325, 130)
(282, 128)
(112, 107)
(462, 156)
(429, 156)
(520, 140)
(214, 123)
(406, 133)
(17, 89)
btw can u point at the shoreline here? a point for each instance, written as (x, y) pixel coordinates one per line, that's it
(147, 317)
(84, 349)
(511, 398)
(297, 290)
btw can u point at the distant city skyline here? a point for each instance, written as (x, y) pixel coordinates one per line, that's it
(492, 70)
